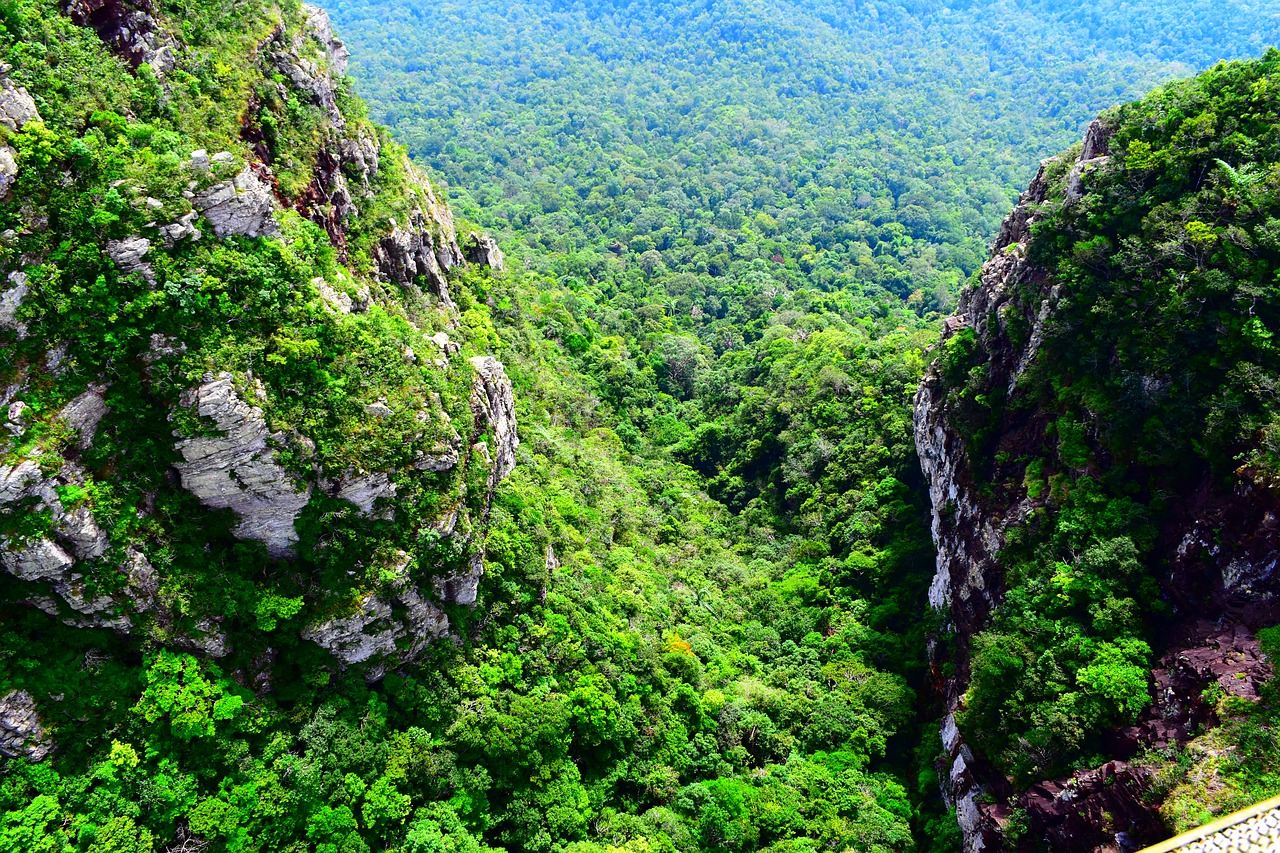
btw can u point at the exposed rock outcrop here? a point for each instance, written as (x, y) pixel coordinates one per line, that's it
(130, 29)
(128, 255)
(85, 412)
(1219, 549)
(21, 733)
(303, 57)
(425, 247)
(482, 250)
(11, 297)
(494, 405)
(17, 108)
(52, 559)
(82, 574)
(383, 630)
(969, 527)
(243, 206)
(238, 471)
(364, 491)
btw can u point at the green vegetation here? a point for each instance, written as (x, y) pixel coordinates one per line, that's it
(696, 628)
(1170, 262)
(732, 232)
(733, 149)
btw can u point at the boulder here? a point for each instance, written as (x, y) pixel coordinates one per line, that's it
(128, 254)
(482, 250)
(243, 206)
(16, 106)
(85, 412)
(41, 560)
(11, 297)
(182, 229)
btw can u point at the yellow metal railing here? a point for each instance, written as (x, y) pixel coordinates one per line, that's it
(1222, 825)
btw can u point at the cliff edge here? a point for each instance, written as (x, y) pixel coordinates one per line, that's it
(1097, 434)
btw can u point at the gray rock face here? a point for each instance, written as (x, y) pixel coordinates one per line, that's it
(383, 630)
(494, 405)
(128, 256)
(8, 170)
(316, 72)
(1093, 155)
(15, 478)
(41, 560)
(968, 530)
(85, 412)
(21, 734)
(482, 250)
(320, 28)
(242, 206)
(425, 248)
(81, 532)
(183, 229)
(462, 587)
(52, 559)
(358, 637)
(343, 302)
(966, 533)
(47, 562)
(129, 29)
(238, 471)
(16, 418)
(11, 298)
(446, 348)
(360, 153)
(364, 490)
(16, 106)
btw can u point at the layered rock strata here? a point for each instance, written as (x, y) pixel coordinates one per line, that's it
(236, 470)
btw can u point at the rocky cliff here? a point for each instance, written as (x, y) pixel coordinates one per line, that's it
(1056, 397)
(235, 400)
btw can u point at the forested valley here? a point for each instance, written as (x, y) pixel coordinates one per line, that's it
(620, 542)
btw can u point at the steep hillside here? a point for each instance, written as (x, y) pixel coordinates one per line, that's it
(1098, 433)
(278, 574)
(201, 422)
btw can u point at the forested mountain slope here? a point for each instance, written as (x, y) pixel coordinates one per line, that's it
(278, 574)
(1099, 434)
(324, 528)
(728, 147)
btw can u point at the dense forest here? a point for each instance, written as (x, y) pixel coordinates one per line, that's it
(731, 234)
(869, 146)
